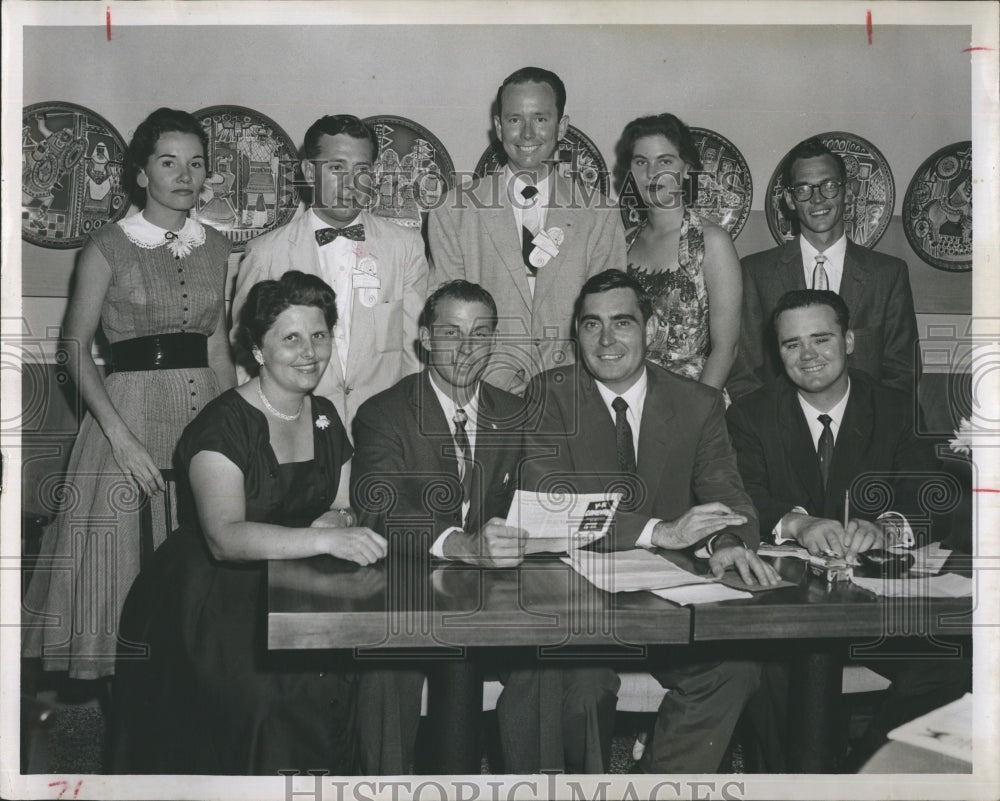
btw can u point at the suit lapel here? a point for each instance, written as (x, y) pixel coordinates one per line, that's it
(432, 425)
(853, 440)
(654, 434)
(798, 446)
(560, 216)
(305, 257)
(361, 346)
(854, 278)
(791, 274)
(600, 446)
(498, 220)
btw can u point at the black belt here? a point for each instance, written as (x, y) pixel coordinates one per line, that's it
(161, 352)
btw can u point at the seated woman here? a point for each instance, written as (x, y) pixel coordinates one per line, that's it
(686, 264)
(262, 462)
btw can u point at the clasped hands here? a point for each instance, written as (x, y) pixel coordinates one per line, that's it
(703, 521)
(820, 535)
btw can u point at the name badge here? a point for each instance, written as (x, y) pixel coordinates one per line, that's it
(366, 281)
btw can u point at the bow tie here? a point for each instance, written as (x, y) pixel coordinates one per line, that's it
(324, 236)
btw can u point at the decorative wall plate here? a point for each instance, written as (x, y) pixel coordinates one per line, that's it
(937, 209)
(725, 188)
(72, 174)
(871, 192)
(252, 186)
(412, 173)
(578, 158)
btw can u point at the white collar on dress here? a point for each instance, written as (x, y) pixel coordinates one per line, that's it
(145, 234)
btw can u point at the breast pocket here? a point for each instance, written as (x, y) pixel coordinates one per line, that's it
(388, 326)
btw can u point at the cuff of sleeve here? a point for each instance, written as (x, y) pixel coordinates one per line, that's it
(779, 537)
(708, 548)
(437, 549)
(646, 537)
(901, 534)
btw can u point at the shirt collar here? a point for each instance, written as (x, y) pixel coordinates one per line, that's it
(448, 406)
(318, 223)
(835, 253)
(634, 396)
(836, 413)
(519, 182)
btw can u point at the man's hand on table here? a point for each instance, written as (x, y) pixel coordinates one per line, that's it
(494, 545)
(731, 552)
(861, 536)
(821, 536)
(694, 525)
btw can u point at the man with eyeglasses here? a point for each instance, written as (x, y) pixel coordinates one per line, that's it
(875, 287)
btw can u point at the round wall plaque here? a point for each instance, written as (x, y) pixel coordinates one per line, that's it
(870, 192)
(937, 209)
(412, 172)
(72, 174)
(252, 186)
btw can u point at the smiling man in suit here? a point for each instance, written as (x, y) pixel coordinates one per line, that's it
(804, 440)
(527, 234)
(615, 420)
(376, 268)
(874, 286)
(441, 452)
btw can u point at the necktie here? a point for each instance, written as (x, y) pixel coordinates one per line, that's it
(623, 436)
(324, 236)
(820, 279)
(825, 448)
(463, 450)
(531, 221)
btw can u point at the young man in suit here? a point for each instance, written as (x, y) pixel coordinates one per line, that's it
(874, 286)
(801, 443)
(377, 269)
(447, 427)
(614, 420)
(527, 234)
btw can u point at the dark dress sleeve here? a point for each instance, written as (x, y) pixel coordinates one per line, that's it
(225, 426)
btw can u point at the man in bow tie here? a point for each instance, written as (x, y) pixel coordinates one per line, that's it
(874, 286)
(376, 268)
(528, 234)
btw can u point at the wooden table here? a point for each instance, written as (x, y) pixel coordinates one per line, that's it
(414, 603)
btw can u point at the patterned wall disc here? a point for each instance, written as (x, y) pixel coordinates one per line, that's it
(252, 187)
(412, 173)
(72, 174)
(578, 158)
(725, 188)
(871, 192)
(937, 209)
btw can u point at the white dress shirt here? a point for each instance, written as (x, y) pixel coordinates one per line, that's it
(834, 264)
(515, 183)
(472, 413)
(338, 260)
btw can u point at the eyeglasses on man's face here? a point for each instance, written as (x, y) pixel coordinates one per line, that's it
(804, 192)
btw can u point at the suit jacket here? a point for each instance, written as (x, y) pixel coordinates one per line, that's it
(876, 289)
(473, 236)
(382, 338)
(780, 468)
(405, 469)
(684, 456)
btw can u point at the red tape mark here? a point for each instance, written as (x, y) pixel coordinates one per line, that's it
(974, 49)
(107, 21)
(983, 489)
(868, 24)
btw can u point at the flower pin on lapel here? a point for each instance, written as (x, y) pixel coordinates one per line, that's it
(322, 422)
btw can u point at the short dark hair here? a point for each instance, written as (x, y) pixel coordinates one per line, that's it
(460, 290)
(613, 279)
(147, 134)
(803, 298)
(332, 125)
(535, 75)
(267, 299)
(810, 149)
(666, 125)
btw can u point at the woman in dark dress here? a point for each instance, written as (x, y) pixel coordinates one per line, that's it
(263, 464)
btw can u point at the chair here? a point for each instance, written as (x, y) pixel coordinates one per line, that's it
(146, 538)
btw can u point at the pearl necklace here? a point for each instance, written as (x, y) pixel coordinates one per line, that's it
(288, 418)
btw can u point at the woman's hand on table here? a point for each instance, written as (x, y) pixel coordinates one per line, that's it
(358, 544)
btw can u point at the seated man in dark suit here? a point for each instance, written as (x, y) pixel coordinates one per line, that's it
(824, 430)
(446, 426)
(614, 419)
(875, 287)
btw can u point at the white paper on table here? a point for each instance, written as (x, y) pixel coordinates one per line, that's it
(947, 730)
(949, 585)
(631, 571)
(929, 559)
(792, 551)
(558, 524)
(701, 594)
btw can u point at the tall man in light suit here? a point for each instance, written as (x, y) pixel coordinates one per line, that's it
(530, 236)
(875, 287)
(376, 268)
(615, 418)
(446, 427)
